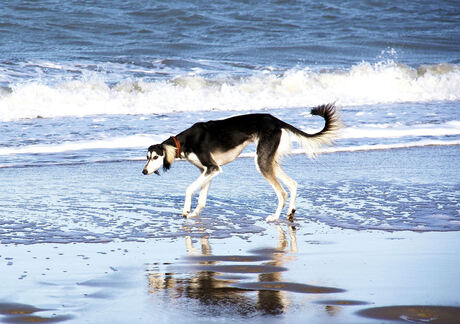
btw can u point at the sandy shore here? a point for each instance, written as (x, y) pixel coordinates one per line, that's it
(77, 248)
(314, 274)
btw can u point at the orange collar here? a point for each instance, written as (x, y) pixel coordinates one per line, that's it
(178, 151)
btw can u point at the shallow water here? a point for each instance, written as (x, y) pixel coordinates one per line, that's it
(414, 189)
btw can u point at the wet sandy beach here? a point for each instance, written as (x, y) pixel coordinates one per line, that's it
(87, 86)
(101, 243)
(315, 274)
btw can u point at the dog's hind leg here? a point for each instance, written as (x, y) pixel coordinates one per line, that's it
(281, 194)
(292, 186)
(202, 182)
(265, 161)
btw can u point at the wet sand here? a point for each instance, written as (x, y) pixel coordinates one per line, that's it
(313, 274)
(111, 267)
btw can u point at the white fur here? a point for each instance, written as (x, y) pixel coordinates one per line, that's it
(203, 182)
(170, 153)
(222, 158)
(153, 164)
(285, 146)
(269, 166)
(192, 158)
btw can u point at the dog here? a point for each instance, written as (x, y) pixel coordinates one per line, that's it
(209, 145)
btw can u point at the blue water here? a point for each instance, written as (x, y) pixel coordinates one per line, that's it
(99, 81)
(232, 34)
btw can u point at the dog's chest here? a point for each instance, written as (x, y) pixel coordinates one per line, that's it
(219, 157)
(225, 157)
(193, 158)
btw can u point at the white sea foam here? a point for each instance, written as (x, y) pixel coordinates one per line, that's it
(143, 141)
(374, 147)
(395, 131)
(134, 141)
(379, 147)
(362, 84)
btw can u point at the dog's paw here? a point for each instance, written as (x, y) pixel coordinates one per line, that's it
(186, 214)
(272, 218)
(192, 214)
(290, 215)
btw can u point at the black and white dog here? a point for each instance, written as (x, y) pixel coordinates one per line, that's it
(211, 144)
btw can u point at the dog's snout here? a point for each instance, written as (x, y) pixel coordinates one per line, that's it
(145, 171)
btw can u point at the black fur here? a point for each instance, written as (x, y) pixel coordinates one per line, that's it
(223, 135)
(224, 140)
(157, 148)
(328, 112)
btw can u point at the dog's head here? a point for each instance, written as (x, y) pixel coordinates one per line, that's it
(159, 155)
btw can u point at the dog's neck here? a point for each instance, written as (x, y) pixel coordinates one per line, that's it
(178, 146)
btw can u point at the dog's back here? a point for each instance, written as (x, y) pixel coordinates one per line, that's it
(209, 145)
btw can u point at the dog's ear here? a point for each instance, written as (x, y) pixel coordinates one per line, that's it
(157, 148)
(169, 155)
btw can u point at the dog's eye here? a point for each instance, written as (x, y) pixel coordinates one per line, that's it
(155, 157)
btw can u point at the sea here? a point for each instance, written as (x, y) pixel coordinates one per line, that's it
(94, 82)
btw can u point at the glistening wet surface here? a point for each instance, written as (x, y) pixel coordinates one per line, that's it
(18, 309)
(77, 203)
(130, 257)
(414, 314)
(340, 278)
(341, 302)
(258, 288)
(23, 313)
(287, 286)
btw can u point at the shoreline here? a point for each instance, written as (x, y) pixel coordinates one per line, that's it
(328, 150)
(152, 266)
(411, 189)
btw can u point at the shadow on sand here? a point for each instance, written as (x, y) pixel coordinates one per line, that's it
(23, 313)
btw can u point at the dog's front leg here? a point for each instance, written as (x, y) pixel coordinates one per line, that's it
(202, 182)
(201, 199)
(188, 196)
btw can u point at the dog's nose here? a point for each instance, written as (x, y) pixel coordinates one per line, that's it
(144, 171)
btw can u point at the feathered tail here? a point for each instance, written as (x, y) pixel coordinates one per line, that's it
(312, 142)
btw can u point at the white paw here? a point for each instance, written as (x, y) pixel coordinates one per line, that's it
(186, 214)
(193, 214)
(272, 218)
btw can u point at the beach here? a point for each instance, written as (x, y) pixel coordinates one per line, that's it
(86, 87)
(123, 253)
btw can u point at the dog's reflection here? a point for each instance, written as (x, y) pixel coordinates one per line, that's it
(272, 301)
(213, 283)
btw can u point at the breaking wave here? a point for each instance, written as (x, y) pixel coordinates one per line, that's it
(362, 84)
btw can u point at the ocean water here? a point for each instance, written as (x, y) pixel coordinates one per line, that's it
(99, 81)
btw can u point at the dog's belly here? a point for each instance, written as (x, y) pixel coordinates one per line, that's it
(222, 158)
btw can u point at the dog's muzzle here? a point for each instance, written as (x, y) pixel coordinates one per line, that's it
(145, 172)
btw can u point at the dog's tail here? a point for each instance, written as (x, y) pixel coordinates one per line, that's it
(312, 142)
